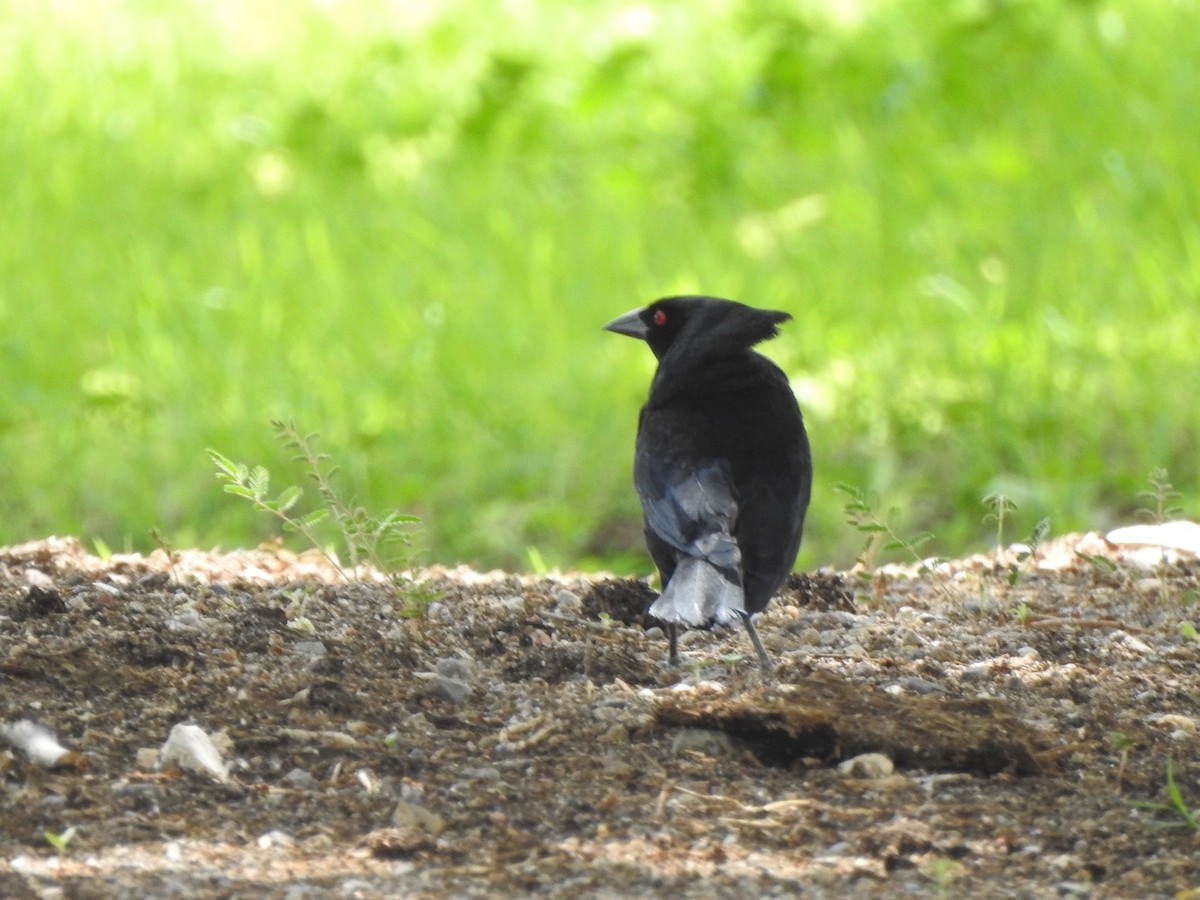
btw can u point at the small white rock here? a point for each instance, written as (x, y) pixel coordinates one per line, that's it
(1180, 723)
(314, 649)
(454, 667)
(189, 620)
(867, 765)
(1174, 535)
(274, 839)
(976, 671)
(189, 747)
(1134, 644)
(35, 741)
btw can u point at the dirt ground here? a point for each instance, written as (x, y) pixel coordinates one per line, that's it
(524, 735)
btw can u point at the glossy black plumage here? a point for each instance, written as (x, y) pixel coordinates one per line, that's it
(722, 465)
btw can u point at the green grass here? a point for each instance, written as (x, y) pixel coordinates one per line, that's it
(404, 230)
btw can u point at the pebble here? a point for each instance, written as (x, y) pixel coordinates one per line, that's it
(412, 815)
(418, 722)
(188, 620)
(301, 778)
(867, 765)
(567, 601)
(190, 747)
(609, 713)
(1131, 643)
(482, 773)
(831, 619)
(810, 636)
(350, 887)
(37, 578)
(975, 671)
(36, 741)
(1182, 727)
(143, 796)
(1074, 888)
(616, 734)
(147, 758)
(452, 689)
(439, 612)
(921, 686)
(315, 649)
(456, 668)
(976, 607)
(510, 603)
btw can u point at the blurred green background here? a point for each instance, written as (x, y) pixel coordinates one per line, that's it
(404, 224)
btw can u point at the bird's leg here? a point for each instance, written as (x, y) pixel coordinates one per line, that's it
(763, 659)
(673, 643)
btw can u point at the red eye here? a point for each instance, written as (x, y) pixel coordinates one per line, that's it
(660, 317)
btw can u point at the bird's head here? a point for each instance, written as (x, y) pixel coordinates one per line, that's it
(705, 325)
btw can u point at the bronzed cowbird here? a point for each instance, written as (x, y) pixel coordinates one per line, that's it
(722, 464)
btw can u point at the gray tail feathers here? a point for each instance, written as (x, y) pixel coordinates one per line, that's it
(697, 594)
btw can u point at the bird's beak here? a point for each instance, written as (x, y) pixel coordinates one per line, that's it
(630, 324)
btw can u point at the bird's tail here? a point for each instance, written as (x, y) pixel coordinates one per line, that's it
(699, 594)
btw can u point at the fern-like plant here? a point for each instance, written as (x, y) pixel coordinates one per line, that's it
(879, 531)
(381, 541)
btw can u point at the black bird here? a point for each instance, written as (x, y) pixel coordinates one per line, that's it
(722, 465)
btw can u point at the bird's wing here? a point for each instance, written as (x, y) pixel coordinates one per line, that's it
(691, 507)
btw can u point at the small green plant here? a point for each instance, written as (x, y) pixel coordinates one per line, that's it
(1001, 506)
(1188, 631)
(881, 534)
(380, 541)
(1023, 613)
(164, 545)
(942, 873)
(1103, 563)
(296, 611)
(536, 561)
(254, 484)
(1032, 543)
(60, 840)
(1122, 743)
(880, 531)
(1161, 499)
(1160, 508)
(1189, 818)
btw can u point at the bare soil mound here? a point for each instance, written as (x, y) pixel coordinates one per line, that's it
(944, 733)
